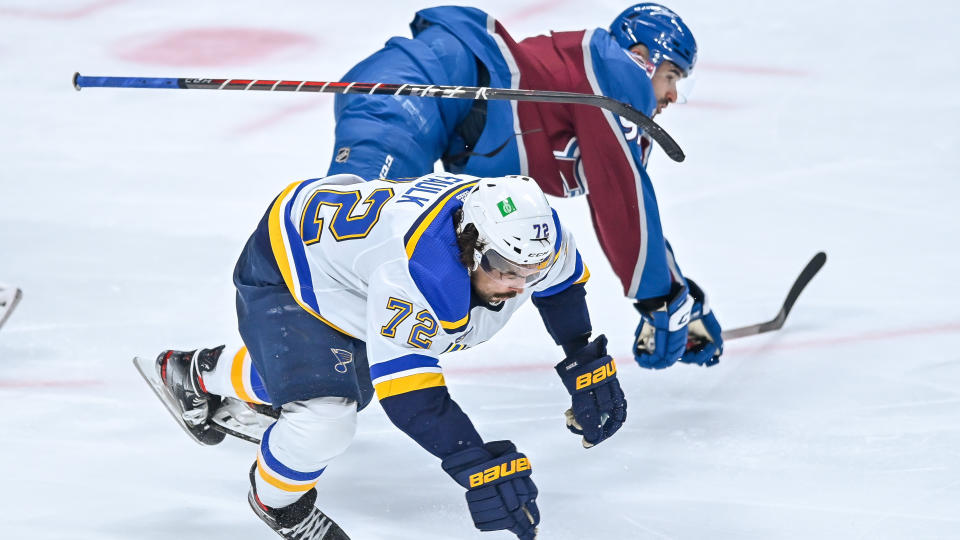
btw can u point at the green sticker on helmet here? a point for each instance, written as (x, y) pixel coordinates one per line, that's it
(506, 207)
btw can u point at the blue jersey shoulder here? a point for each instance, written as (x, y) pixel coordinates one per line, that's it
(472, 27)
(618, 75)
(434, 260)
(479, 32)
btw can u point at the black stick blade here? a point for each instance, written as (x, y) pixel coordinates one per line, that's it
(806, 275)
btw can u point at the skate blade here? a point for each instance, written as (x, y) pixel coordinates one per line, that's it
(148, 371)
(235, 417)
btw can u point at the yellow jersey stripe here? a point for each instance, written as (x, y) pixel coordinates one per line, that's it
(279, 246)
(280, 484)
(276, 237)
(240, 371)
(409, 383)
(236, 377)
(585, 276)
(456, 324)
(412, 243)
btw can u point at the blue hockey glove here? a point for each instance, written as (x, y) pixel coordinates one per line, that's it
(661, 336)
(599, 407)
(704, 343)
(500, 493)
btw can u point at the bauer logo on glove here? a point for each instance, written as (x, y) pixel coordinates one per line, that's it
(597, 375)
(497, 472)
(597, 405)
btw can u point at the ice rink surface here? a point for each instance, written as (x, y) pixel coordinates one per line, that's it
(814, 126)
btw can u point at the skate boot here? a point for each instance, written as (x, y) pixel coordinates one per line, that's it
(300, 520)
(180, 373)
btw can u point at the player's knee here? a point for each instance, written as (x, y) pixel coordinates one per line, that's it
(321, 427)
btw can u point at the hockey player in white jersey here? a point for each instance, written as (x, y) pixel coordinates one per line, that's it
(349, 289)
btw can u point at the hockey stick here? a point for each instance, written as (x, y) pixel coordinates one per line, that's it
(814, 266)
(241, 420)
(9, 297)
(658, 134)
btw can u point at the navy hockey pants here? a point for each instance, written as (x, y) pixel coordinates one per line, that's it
(297, 356)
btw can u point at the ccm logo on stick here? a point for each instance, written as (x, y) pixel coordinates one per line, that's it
(596, 375)
(494, 473)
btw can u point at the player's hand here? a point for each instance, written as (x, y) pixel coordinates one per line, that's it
(599, 407)
(661, 336)
(500, 493)
(704, 342)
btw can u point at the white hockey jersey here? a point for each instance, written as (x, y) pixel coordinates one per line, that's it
(379, 261)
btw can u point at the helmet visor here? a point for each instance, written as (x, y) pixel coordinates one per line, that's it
(685, 87)
(512, 274)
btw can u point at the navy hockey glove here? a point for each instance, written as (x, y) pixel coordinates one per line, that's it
(704, 343)
(599, 407)
(661, 336)
(500, 493)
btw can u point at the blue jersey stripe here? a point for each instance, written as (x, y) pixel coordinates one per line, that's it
(425, 219)
(298, 251)
(280, 468)
(256, 383)
(557, 230)
(577, 274)
(410, 361)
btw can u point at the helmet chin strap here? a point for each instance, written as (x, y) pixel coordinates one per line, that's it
(477, 256)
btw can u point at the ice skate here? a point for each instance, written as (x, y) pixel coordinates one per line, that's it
(300, 520)
(243, 420)
(174, 378)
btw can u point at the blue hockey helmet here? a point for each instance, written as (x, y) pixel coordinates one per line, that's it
(661, 30)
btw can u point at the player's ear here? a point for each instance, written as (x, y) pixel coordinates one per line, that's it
(642, 50)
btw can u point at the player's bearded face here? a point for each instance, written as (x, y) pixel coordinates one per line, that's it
(665, 78)
(664, 81)
(491, 290)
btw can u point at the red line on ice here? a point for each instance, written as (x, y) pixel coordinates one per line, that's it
(74, 13)
(856, 338)
(806, 344)
(48, 384)
(754, 70)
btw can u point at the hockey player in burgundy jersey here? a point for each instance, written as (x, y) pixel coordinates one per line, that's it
(570, 150)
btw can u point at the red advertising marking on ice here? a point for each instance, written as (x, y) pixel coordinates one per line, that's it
(254, 126)
(212, 46)
(78, 383)
(754, 70)
(732, 348)
(71, 13)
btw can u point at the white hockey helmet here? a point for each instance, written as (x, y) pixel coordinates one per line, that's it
(515, 226)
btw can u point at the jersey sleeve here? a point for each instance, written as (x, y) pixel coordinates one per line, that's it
(623, 204)
(560, 298)
(405, 367)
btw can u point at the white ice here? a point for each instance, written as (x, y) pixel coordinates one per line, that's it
(815, 125)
